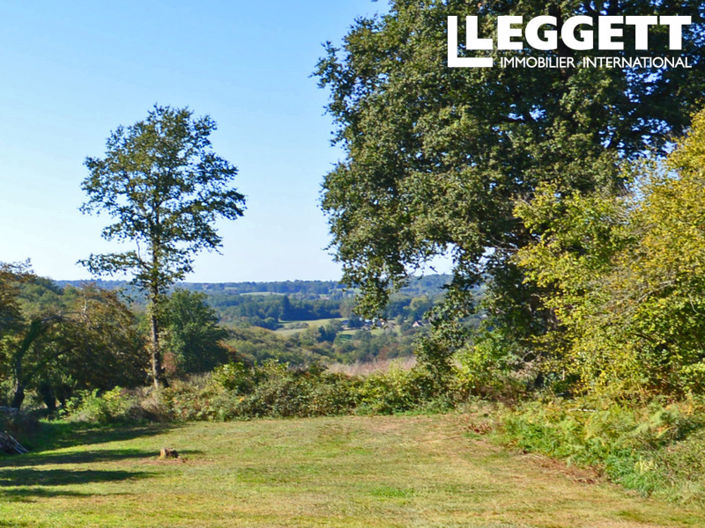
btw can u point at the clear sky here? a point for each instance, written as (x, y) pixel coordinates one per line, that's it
(73, 71)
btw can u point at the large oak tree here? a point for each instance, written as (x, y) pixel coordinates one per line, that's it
(436, 158)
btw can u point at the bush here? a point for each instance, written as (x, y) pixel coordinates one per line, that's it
(186, 401)
(238, 391)
(115, 406)
(272, 389)
(490, 369)
(276, 390)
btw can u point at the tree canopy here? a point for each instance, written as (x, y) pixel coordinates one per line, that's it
(627, 278)
(62, 340)
(437, 157)
(194, 339)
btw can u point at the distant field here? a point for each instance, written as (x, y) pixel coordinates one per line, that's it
(374, 331)
(366, 472)
(288, 328)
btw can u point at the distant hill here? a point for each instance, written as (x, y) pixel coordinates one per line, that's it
(270, 304)
(429, 285)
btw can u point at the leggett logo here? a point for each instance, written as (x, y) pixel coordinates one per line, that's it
(542, 33)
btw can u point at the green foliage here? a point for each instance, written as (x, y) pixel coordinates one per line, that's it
(653, 449)
(240, 391)
(269, 311)
(399, 390)
(624, 278)
(237, 377)
(491, 368)
(10, 276)
(164, 187)
(299, 393)
(272, 389)
(62, 340)
(436, 157)
(106, 345)
(113, 406)
(255, 344)
(276, 390)
(193, 337)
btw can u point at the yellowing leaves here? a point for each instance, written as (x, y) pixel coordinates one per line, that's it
(625, 276)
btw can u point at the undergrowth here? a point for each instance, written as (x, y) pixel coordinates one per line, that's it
(655, 449)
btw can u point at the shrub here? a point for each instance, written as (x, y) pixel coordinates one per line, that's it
(400, 390)
(114, 406)
(307, 392)
(186, 401)
(238, 391)
(490, 369)
(271, 389)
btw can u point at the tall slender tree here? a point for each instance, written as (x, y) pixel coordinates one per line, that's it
(164, 187)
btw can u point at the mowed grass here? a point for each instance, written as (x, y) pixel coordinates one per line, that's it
(414, 471)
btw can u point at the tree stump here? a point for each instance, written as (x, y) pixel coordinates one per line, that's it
(167, 453)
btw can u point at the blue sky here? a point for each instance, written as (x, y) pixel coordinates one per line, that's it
(73, 71)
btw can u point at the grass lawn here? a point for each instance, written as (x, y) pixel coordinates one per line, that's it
(340, 472)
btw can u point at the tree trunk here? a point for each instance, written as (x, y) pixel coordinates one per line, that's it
(18, 397)
(48, 397)
(157, 368)
(35, 329)
(18, 373)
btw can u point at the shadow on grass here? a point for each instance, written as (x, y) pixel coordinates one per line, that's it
(23, 479)
(81, 457)
(32, 494)
(27, 485)
(63, 477)
(57, 435)
(84, 457)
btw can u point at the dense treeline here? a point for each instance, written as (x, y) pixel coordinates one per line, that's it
(307, 289)
(431, 284)
(269, 310)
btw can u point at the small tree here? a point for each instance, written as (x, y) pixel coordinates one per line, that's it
(164, 187)
(193, 334)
